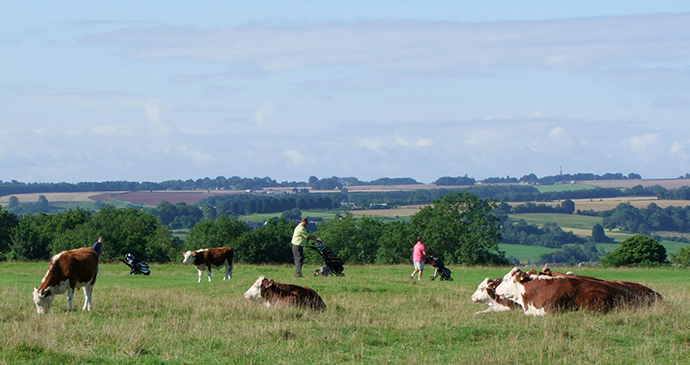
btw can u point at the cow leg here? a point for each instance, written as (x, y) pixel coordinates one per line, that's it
(201, 273)
(88, 298)
(209, 274)
(228, 271)
(70, 295)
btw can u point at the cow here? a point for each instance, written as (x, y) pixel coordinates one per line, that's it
(270, 293)
(541, 294)
(68, 270)
(211, 258)
(486, 293)
(646, 294)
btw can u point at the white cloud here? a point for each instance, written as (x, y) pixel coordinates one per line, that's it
(679, 150)
(374, 144)
(645, 143)
(569, 44)
(111, 129)
(154, 109)
(420, 142)
(561, 137)
(294, 157)
(198, 158)
(264, 112)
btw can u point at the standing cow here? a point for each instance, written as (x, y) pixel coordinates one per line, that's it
(275, 294)
(211, 258)
(68, 270)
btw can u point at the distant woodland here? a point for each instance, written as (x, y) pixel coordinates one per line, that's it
(33, 231)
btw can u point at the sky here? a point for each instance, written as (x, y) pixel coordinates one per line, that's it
(167, 90)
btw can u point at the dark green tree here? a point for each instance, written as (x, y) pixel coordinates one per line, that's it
(639, 250)
(269, 243)
(682, 258)
(396, 243)
(292, 215)
(598, 234)
(460, 228)
(28, 243)
(8, 223)
(353, 240)
(219, 233)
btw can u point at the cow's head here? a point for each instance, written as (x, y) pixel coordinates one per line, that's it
(486, 291)
(511, 286)
(188, 257)
(254, 292)
(43, 298)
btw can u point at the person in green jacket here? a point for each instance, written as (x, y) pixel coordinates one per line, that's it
(299, 240)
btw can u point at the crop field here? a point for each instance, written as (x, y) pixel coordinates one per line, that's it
(375, 315)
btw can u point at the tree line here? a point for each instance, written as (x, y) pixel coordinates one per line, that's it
(257, 183)
(458, 227)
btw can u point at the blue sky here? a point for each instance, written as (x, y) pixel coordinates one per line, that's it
(160, 90)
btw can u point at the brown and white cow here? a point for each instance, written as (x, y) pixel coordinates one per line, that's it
(486, 293)
(541, 294)
(68, 270)
(211, 258)
(646, 294)
(270, 293)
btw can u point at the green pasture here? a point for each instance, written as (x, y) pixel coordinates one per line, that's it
(375, 315)
(562, 187)
(524, 253)
(563, 220)
(262, 217)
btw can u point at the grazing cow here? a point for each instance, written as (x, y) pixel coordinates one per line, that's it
(540, 294)
(68, 270)
(275, 294)
(211, 258)
(486, 293)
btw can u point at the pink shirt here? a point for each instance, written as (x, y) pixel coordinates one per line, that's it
(418, 252)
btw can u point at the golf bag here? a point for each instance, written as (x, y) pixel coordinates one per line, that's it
(137, 266)
(440, 268)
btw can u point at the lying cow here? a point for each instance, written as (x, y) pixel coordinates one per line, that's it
(270, 293)
(646, 294)
(541, 294)
(486, 293)
(211, 258)
(68, 270)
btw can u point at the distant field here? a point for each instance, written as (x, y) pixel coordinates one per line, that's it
(562, 187)
(563, 220)
(599, 205)
(666, 183)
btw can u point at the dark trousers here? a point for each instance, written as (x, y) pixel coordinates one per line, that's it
(298, 253)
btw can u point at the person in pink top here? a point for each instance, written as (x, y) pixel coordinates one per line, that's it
(418, 256)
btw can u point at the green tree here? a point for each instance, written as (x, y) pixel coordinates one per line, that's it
(293, 214)
(28, 243)
(269, 243)
(461, 228)
(14, 202)
(353, 240)
(682, 258)
(395, 244)
(219, 233)
(598, 234)
(8, 223)
(638, 250)
(568, 206)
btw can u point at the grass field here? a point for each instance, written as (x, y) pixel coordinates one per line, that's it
(375, 315)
